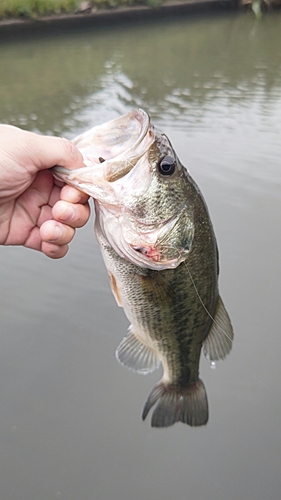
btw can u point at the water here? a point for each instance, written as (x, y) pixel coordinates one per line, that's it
(70, 425)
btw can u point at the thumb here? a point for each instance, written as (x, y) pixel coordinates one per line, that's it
(51, 151)
(38, 152)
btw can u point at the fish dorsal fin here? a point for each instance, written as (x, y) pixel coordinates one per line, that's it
(218, 342)
(136, 355)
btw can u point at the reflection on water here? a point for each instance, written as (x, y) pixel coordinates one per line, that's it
(70, 425)
(53, 85)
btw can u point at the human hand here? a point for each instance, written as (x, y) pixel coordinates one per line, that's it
(36, 210)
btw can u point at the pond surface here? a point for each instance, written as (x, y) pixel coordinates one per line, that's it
(70, 425)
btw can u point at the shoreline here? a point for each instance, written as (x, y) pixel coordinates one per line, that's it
(60, 21)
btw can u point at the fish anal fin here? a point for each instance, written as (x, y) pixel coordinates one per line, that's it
(219, 340)
(178, 404)
(115, 289)
(137, 355)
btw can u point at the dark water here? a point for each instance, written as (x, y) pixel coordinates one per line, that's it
(70, 424)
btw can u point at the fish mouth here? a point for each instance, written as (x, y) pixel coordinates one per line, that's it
(110, 151)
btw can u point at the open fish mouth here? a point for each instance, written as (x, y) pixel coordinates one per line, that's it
(110, 152)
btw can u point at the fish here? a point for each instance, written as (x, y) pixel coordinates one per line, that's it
(159, 247)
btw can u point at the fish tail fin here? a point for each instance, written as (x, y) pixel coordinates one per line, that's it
(177, 404)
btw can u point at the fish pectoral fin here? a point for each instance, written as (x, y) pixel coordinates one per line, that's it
(178, 404)
(219, 340)
(136, 355)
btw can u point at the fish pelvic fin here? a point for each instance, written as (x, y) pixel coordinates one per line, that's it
(136, 355)
(219, 340)
(178, 404)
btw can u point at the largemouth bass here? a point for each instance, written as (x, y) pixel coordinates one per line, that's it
(160, 251)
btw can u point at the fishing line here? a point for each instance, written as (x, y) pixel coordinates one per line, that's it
(231, 340)
(209, 314)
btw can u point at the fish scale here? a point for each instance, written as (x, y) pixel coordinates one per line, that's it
(160, 251)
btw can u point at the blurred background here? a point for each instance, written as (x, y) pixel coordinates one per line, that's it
(70, 421)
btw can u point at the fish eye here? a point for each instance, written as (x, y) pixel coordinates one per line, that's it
(167, 165)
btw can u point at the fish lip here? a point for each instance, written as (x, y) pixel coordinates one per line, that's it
(113, 169)
(111, 174)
